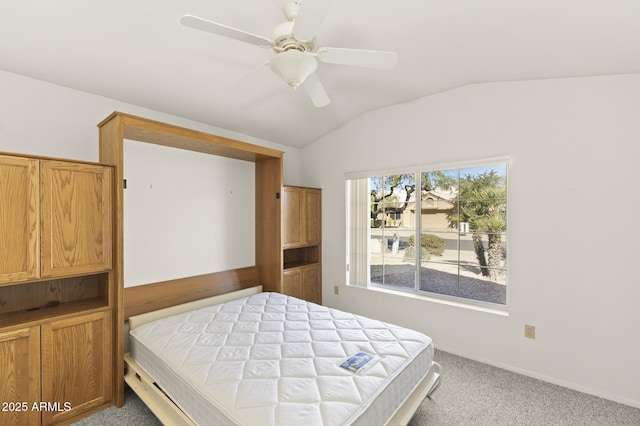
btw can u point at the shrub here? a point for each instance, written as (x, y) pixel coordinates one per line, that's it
(432, 243)
(410, 254)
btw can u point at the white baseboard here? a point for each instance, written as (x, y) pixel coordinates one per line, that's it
(549, 379)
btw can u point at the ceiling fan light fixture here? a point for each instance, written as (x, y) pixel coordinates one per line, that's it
(293, 66)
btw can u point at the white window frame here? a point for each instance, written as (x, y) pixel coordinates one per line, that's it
(358, 265)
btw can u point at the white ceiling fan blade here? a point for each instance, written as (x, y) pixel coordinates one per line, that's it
(309, 17)
(225, 31)
(358, 57)
(316, 91)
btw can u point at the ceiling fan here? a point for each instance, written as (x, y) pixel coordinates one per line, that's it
(296, 49)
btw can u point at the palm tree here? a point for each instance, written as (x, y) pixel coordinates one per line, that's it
(481, 201)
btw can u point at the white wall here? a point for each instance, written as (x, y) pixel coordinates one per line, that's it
(573, 244)
(573, 233)
(186, 213)
(40, 118)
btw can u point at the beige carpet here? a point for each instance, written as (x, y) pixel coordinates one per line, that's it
(471, 393)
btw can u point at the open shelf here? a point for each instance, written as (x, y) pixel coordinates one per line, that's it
(300, 256)
(44, 300)
(31, 317)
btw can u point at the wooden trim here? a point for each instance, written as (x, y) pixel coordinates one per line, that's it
(41, 157)
(145, 130)
(111, 143)
(151, 297)
(268, 223)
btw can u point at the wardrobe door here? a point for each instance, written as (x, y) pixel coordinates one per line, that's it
(292, 224)
(76, 364)
(311, 219)
(19, 220)
(292, 283)
(20, 385)
(311, 286)
(76, 218)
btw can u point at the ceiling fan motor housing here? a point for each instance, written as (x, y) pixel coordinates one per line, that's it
(284, 39)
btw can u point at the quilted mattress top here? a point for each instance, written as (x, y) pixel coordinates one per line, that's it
(269, 357)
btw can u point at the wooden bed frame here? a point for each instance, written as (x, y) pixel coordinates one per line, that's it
(167, 411)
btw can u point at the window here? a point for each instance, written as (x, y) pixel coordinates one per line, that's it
(441, 232)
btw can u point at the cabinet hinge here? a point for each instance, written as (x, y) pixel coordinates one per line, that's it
(124, 183)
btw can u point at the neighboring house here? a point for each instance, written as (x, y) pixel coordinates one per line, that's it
(436, 212)
(437, 209)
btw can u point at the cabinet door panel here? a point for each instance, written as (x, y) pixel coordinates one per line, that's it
(292, 283)
(311, 200)
(20, 387)
(19, 219)
(311, 288)
(76, 364)
(291, 217)
(76, 218)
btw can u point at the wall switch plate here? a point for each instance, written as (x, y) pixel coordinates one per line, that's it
(529, 331)
(336, 290)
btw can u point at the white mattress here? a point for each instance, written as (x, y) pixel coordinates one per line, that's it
(271, 359)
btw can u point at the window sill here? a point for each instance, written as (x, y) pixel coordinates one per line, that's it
(442, 300)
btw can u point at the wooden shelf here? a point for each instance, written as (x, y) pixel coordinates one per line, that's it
(298, 264)
(301, 255)
(46, 313)
(31, 296)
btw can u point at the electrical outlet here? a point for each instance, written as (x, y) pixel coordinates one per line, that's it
(336, 290)
(530, 331)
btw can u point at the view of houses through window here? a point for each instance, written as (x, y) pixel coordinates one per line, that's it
(442, 232)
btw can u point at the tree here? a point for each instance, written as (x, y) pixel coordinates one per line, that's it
(385, 194)
(481, 201)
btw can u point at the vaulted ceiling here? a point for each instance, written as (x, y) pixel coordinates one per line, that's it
(138, 52)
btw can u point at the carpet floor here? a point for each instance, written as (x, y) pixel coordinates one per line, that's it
(470, 393)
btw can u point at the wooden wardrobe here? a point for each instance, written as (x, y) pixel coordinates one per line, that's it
(56, 289)
(301, 243)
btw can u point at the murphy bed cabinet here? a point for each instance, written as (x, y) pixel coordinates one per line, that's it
(301, 243)
(56, 298)
(113, 131)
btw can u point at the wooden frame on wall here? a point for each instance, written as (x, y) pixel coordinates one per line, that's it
(117, 127)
